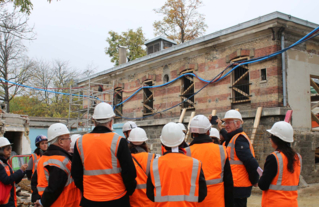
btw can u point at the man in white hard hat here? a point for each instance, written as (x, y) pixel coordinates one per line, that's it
(7, 176)
(241, 157)
(102, 166)
(175, 179)
(127, 127)
(216, 166)
(53, 174)
(214, 134)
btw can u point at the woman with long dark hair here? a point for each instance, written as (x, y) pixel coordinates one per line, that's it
(280, 178)
(7, 176)
(142, 159)
(41, 142)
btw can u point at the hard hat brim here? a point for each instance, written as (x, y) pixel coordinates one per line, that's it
(277, 135)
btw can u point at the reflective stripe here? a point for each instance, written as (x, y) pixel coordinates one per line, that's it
(283, 187)
(214, 181)
(158, 188)
(40, 189)
(149, 159)
(188, 151)
(278, 186)
(300, 160)
(114, 169)
(141, 186)
(280, 167)
(235, 162)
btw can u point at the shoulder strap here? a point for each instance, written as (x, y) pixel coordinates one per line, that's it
(138, 164)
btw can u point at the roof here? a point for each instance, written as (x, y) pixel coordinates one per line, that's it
(238, 27)
(160, 38)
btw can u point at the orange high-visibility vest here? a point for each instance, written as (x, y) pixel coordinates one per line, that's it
(7, 169)
(240, 174)
(175, 177)
(213, 158)
(102, 180)
(142, 163)
(283, 188)
(35, 158)
(163, 150)
(71, 195)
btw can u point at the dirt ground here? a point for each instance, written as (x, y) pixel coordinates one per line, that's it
(307, 197)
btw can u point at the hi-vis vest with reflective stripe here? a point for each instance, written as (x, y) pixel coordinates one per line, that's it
(35, 158)
(7, 169)
(139, 198)
(240, 174)
(213, 158)
(102, 180)
(71, 195)
(175, 177)
(283, 188)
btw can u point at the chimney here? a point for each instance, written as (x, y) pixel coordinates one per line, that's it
(122, 55)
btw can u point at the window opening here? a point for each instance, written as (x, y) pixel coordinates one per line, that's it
(156, 47)
(187, 91)
(241, 85)
(148, 100)
(263, 74)
(166, 78)
(150, 49)
(118, 98)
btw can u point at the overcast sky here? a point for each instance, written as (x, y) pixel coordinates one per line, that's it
(76, 30)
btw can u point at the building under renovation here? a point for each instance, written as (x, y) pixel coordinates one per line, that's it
(284, 82)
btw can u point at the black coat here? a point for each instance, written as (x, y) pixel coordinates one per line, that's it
(244, 154)
(128, 173)
(15, 177)
(57, 177)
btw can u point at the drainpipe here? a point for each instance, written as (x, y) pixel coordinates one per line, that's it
(283, 65)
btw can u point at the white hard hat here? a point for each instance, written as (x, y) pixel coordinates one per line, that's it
(4, 142)
(74, 137)
(214, 133)
(137, 136)
(182, 127)
(172, 135)
(199, 124)
(103, 111)
(283, 131)
(233, 114)
(129, 126)
(56, 130)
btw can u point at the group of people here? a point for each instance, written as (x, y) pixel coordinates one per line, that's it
(218, 168)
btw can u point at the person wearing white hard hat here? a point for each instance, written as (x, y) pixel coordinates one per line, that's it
(142, 160)
(214, 134)
(184, 144)
(280, 179)
(241, 157)
(127, 127)
(215, 163)
(175, 179)
(74, 137)
(7, 176)
(102, 166)
(53, 171)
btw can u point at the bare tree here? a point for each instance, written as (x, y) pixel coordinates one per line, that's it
(14, 65)
(43, 78)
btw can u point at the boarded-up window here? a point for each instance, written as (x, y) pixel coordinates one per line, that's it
(241, 85)
(187, 91)
(148, 100)
(118, 98)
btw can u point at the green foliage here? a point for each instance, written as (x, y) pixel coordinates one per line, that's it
(132, 40)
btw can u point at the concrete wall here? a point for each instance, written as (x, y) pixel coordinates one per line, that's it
(301, 65)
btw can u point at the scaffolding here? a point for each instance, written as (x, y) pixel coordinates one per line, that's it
(82, 102)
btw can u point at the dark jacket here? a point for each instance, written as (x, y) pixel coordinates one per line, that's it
(57, 177)
(228, 177)
(15, 177)
(270, 172)
(202, 190)
(244, 154)
(128, 172)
